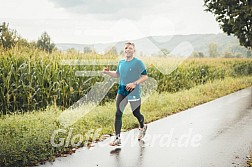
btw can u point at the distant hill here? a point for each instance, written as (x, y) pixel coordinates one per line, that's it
(153, 44)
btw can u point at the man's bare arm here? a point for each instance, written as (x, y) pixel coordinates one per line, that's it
(132, 85)
(110, 73)
(142, 79)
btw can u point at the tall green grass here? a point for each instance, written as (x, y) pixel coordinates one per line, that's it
(32, 79)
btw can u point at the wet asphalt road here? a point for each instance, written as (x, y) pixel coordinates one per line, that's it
(217, 133)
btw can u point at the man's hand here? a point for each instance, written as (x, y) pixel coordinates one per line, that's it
(130, 86)
(105, 70)
(110, 73)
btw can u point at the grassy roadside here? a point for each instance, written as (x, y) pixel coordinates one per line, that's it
(25, 138)
(249, 162)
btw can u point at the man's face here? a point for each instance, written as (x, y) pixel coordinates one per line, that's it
(129, 50)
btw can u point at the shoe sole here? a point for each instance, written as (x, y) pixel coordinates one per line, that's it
(115, 145)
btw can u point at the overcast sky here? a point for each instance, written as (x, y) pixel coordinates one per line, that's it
(94, 21)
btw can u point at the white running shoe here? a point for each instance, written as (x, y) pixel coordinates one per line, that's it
(116, 142)
(142, 132)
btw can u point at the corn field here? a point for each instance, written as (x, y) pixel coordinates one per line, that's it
(32, 79)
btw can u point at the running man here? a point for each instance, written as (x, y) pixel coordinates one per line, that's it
(131, 73)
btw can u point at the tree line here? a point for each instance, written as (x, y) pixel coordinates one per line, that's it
(9, 38)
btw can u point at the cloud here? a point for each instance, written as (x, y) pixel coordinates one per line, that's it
(108, 9)
(67, 3)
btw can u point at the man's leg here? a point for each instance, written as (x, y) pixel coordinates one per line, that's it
(135, 106)
(119, 113)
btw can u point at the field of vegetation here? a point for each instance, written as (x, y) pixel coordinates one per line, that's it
(36, 87)
(32, 79)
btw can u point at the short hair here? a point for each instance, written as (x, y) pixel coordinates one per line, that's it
(130, 43)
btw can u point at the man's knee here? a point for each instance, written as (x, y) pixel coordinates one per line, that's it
(137, 113)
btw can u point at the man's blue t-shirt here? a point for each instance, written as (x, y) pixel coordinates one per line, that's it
(130, 71)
